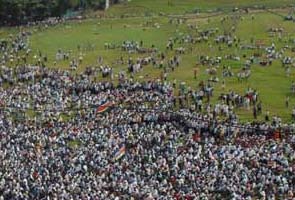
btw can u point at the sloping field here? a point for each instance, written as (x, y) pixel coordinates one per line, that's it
(141, 7)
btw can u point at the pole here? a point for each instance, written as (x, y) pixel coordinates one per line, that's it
(35, 104)
(107, 4)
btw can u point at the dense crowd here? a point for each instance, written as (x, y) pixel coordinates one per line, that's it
(141, 147)
(66, 136)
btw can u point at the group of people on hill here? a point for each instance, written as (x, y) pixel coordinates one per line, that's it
(98, 140)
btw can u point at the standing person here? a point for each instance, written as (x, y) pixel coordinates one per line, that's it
(247, 103)
(174, 83)
(293, 113)
(162, 76)
(288, 71)
(80, 58)
(287, 102)
(267, 116)
(165, 76)
(255, 112)
(195, 73)
(259, 108)
(223, 85)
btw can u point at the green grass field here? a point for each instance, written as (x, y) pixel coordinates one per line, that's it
(143, 7)
(271, 81)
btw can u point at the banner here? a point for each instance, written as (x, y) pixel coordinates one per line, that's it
(121, 152)
(102, 108)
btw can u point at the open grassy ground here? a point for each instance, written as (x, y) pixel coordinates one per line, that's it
(143, 7)
(271, 81)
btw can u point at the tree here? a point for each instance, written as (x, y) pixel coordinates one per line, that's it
(14, 12)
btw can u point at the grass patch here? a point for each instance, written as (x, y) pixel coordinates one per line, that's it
(139, 7)
(74, 143)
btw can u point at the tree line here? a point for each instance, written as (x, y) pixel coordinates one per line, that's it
(15, 12)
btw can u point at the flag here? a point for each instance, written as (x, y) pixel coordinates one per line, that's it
(121, 152)
(276, 135)
(197, 137)
(102, 108)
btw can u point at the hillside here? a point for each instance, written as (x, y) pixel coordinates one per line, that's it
(143, 7)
